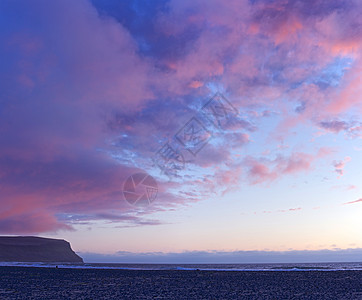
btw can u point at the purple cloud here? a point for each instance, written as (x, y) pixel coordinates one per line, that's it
(86, 100)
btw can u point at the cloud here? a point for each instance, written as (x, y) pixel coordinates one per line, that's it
(353, 202)
(290, 209)
(353, 129)
(267, 170)
(335, 126)
(339, 165)
(30, 222)
(232, 257)
(61, 80)
(86, 100)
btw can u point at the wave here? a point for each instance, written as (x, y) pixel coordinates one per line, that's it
(195, 267)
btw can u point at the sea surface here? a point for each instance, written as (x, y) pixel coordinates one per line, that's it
(202, 267)
(181, 281)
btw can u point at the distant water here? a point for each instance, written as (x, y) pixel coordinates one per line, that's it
(203, 267)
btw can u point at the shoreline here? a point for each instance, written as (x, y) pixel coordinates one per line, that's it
(51, 283)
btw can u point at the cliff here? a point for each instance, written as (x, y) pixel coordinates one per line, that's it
(36, 249)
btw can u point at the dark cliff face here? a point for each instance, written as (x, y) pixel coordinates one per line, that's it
(36, 249)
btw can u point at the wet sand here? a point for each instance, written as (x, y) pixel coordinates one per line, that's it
(51, 283)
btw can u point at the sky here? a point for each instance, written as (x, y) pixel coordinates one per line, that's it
(241, 118)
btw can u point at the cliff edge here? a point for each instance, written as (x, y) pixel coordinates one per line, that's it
(36, 249)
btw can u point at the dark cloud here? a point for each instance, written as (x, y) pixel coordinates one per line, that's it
(335, 126)
(233, 257)
(352, 128)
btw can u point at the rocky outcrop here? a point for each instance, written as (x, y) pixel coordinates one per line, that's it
(36, 249)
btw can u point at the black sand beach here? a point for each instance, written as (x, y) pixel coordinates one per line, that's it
(51, 283)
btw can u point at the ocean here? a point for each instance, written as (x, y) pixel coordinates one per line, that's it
(181, 281)
(352, 266)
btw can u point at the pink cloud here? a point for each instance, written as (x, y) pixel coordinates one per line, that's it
(350, 96)
(79, 93)
(339, 165)
(290, 209)
(303, 39)
(61, 84)
(281, 210)
(29, 223)
(259, 172)
(266, 170)
(353, 202)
